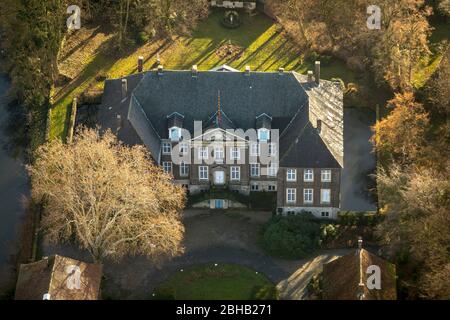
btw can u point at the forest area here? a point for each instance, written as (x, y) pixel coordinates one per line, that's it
(412, 140)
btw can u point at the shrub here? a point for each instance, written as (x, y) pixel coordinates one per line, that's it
(358, 219)
(323, 58)
(328, 231)
(263, 200)
(142, 37)
(314, 287)
(266, 292)
(291, 237)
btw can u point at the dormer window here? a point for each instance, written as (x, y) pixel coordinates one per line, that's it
(175, 134)
(175, 123)
(263, 135)
(263, 125)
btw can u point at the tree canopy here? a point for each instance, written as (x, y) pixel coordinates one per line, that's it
(107, 197)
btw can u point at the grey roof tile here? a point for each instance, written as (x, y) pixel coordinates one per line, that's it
(287, 98)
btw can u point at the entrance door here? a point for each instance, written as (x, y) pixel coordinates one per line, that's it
(219, 177)
(219, 204)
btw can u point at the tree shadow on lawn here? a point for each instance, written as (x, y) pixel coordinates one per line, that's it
(63, 100)
(212, 32)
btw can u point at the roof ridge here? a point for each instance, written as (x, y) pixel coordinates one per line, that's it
(51, 274)
(292, 120)
(361, 286)
(294, 141)
(145, 114)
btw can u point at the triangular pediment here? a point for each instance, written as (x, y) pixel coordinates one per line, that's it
(218, 134)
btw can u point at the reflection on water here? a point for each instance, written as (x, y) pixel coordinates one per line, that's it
(359, 161)
(13, 177)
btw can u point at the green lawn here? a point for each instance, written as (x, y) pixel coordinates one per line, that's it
(210, 282)
(264, 46)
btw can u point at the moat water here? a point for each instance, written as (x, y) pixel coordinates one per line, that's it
(14, 183)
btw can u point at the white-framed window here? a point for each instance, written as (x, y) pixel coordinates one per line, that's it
(325, 195)
(175, 134)
(272, 169)
(184, 148)
(291, 195)
(254, 187)
(184, 169)
(308, 175)
(272, 187)
(272, 149)
(203, 172)
(325, 214)
(167, 166)
(218, 153)
(325, 175)
(308, 195)
(203, 153)
(291, 175)
(254, 149)
(263, 134)
(166, 147)
(235, 153)
(254, 169)
(235, 173)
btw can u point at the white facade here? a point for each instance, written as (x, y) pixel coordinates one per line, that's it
(234, 4)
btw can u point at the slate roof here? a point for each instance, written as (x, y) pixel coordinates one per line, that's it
(151, 97)
(301, 145)
(215, 121)
(50, 275)
(341, 278)
(243, 97)
(263, 121)
(175, 120)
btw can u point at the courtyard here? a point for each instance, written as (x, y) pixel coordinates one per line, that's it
(211, 237)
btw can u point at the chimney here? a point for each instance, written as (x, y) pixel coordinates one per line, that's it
(310, 76)
(124, 88)
(281, 70)
(360, 242)
(317, 73)
(160, 70)
(247, 70)
(46, 296)
(319, 126)
(194, 71)
(140, 64)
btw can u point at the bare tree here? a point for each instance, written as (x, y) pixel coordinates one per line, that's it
(416, 204)
(108, 197)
